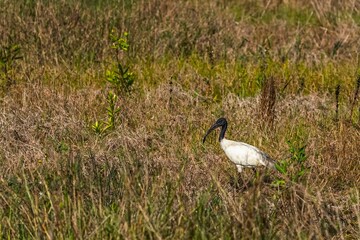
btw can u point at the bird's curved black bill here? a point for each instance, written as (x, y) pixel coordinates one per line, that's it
(210, 130)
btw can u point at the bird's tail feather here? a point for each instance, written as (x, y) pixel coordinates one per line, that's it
(270, 162)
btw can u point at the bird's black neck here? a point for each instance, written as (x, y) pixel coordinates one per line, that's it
(222, 132)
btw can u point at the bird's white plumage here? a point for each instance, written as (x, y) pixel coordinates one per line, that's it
(241, 154)
(245, 155)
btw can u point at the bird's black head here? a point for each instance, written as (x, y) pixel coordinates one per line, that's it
(221, 122)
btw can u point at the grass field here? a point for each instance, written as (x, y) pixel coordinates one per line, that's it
(90, 153)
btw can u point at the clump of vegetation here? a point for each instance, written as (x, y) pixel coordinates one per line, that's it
(337, 94)
(112, 111)
(9, 55)
(121, 79)
(355, 96)
(119, 75)
(294, 168)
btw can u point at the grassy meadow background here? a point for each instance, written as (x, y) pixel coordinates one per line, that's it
(284, 73)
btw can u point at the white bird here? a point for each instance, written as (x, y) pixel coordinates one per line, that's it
(241, 154)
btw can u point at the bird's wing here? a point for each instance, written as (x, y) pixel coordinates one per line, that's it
(246, 155)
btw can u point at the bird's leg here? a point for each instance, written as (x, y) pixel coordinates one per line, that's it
(239, 175)
(255, 174)
(240, 180)
(247, 183)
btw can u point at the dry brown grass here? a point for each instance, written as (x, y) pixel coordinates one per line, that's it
(151, 177)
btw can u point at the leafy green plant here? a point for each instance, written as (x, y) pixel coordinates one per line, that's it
(101, 126)
(8, 56)
(120, 77)
(119, 74)
(294, 167)
(119, 43)
(112, 110)
(97, 127)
